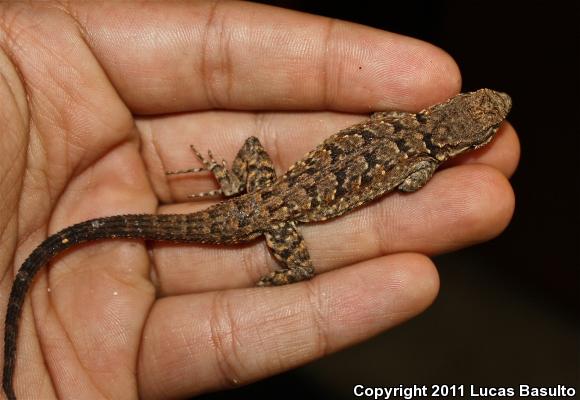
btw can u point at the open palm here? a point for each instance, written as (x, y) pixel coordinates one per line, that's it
(99, 100)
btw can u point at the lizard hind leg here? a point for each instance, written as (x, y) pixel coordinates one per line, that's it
(287, 246)
(253, 166)
(252, 169)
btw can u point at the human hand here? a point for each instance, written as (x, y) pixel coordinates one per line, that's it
(100, 100)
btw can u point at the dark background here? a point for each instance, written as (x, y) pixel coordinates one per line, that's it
(508, 309)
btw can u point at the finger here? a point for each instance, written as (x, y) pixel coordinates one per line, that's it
(285, 136)
(217, 340)
(207, 54)
(460, 206)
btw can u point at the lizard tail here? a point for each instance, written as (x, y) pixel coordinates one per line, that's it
(136, 226)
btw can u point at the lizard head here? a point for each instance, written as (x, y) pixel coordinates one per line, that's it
(466, 121)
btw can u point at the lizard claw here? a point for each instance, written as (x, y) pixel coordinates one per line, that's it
(286, 276)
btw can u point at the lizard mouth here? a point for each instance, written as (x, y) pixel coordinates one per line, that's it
(487, 137)
(507, 101)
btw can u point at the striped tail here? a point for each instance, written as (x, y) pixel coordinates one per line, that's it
(175, 228)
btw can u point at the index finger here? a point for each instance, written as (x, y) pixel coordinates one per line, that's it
(171, 57)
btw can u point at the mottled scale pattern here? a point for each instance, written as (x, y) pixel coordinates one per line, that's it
(391, 150)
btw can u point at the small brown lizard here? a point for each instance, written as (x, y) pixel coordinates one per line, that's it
(391, 150)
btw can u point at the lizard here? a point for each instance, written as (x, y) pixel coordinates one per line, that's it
(391, 150)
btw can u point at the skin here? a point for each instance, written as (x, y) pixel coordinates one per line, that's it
(84, 136)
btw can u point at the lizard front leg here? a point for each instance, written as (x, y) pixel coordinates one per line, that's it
(420, 175)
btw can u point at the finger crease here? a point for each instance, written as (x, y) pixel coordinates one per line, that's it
(314, 296)
(324, 72)
(205, 58)
(222, 335)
